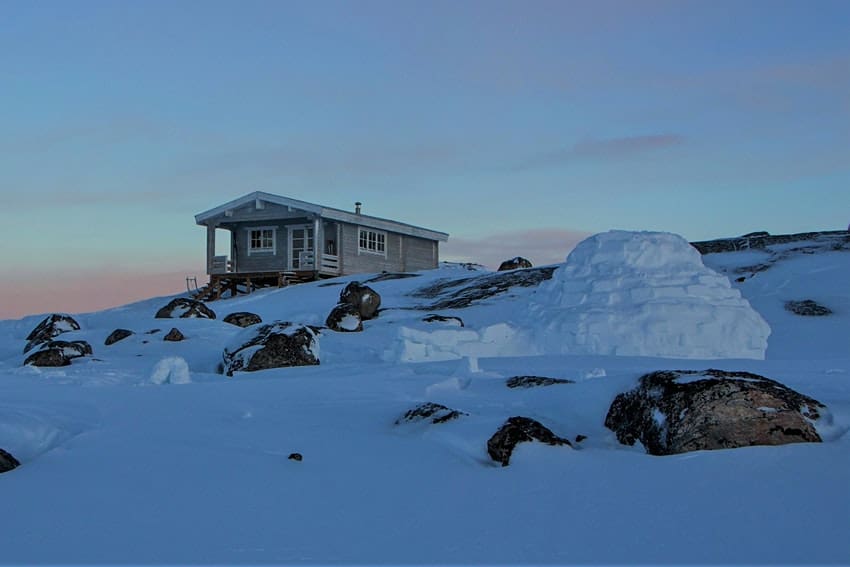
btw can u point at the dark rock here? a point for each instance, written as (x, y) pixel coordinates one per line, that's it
(296, 457)
(50, 327)
(807, 308)
(756, 233)
(117, 335)
(444, 319)
(741, 279)
(436, 413)
(580, 438)
(243, 319)
(345, 318)
(153, 331)
(678, 411)
(386, 276)
(7, 462)
(185, 308)
(363, 297)
(58, 353)
(533, 381)
(457, 293)
(281, 344)
(518, 263)
(174, 335)
(519, 430)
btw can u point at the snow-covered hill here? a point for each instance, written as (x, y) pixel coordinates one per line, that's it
(146, 453)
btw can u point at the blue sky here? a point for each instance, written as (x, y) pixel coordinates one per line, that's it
(514, 126)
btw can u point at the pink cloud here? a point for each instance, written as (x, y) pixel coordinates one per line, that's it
(78, 294)
(541, 247)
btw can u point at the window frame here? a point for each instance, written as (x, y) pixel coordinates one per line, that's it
(272, 251)
(375, 241)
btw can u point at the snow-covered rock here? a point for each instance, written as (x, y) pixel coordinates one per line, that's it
(52, 326)
(273, 345)
(643, 294)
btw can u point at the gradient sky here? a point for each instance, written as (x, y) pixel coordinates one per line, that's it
(517, 127)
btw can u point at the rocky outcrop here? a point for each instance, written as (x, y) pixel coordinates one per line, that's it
(435, 413)
(447, 319)
(185, 308)
(518, 430)
(761, 240)
(364, 298)
(7, 462)
(345, 318)
(174, 336)
(534, 381)
(117, 335)
(243, 319)
(518, 263)
(58, 353)
(679, 411)
(807, 308)
(273, 345)
(50, 327)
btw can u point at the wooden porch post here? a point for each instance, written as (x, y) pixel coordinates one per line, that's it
(210, 247)
(318, 244)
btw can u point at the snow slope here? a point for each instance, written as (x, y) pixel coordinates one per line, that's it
(145, 454)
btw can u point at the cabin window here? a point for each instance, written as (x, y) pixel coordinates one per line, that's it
(261, 239)
(372, 242)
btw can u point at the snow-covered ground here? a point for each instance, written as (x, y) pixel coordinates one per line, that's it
(145, 453)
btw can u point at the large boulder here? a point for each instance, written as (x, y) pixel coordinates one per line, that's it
(679, 411)
(7, 462)
(185, 308)
(518, 430)
(52, 326)
(345, 318)
(243, 319)
(518, 263)
(272, 345)
(58, 353)
(117, 335)
(364, 298)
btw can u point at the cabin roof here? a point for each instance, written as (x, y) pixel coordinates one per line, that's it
(325, 212)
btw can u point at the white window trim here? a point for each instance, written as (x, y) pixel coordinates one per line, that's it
(265, 251)
(361, 250)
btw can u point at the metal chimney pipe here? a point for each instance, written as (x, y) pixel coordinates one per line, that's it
(357, 206)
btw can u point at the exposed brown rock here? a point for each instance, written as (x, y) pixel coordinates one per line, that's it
(679, 411)
(517, 430)
(174, 335)
(243, 319)
(117, 335)
(518, 263)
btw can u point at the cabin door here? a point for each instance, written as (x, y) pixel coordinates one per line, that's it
(301, 251)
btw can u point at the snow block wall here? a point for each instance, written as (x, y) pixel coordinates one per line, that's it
(643, 294)
(427, 345)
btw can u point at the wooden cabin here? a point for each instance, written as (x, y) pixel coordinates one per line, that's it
(278, 238)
